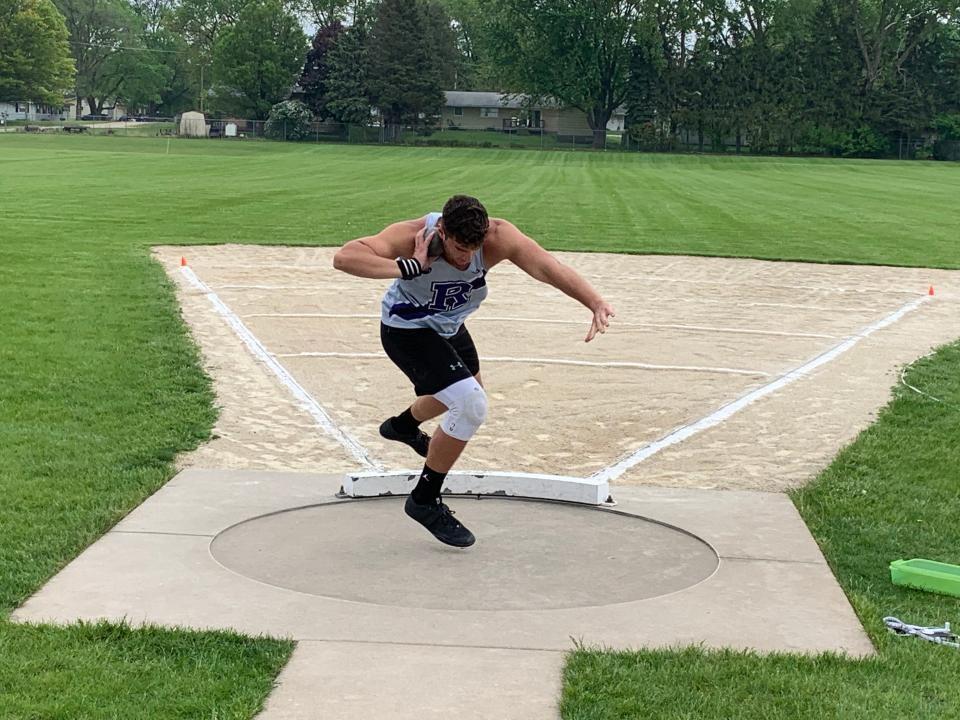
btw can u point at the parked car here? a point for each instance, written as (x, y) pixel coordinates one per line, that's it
(94, 116)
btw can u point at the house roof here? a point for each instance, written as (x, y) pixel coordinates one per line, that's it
(515, 101)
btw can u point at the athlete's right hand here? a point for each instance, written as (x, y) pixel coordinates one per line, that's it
(420, 248)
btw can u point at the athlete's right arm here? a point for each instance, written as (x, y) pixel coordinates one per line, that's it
(376, 256)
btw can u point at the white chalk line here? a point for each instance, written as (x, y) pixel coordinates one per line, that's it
(677, 436)
(837, 291)
(767, 284)
(619, 324)
(682, 433)
(796, 306)
(356, 450)
(545, 361)
(612, 296)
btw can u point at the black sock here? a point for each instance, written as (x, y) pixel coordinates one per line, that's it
(405, 423)
(428, 487)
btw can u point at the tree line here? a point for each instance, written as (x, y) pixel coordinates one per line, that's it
(842, 77)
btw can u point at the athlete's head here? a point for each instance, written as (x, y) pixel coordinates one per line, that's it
(465, 220)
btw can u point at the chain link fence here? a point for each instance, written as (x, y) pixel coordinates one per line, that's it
(529, 138)
(380, 134)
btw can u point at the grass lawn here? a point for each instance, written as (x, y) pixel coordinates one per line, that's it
(100, 388)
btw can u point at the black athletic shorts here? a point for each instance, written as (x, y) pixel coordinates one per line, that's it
(431, 361)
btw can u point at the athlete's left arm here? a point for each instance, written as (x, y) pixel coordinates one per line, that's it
(526, 253)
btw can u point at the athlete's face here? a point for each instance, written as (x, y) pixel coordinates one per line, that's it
(456, 254)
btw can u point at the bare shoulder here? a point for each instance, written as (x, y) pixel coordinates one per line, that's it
(395, 239)
(502, 242)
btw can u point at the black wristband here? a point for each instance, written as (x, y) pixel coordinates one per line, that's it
(409, 268)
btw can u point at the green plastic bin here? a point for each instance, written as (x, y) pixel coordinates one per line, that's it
(928, 575)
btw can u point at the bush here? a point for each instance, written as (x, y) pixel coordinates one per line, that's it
(289, 120)
(948, 126)
(862, 141)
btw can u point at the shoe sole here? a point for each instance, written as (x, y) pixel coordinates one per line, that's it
(386, 436)
(473, 538)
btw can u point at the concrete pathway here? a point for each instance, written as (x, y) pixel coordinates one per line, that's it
(381, 610)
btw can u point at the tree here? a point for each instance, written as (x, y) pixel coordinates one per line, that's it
(178, 92)
(472, 68)
(405, 69)
(153, 14)
(577, 51)
(35, 61)
(348, 90)
(323, 12)
(257, 59)
(673, 79)
(145, 73)
(200, 21)
(316, 70)
(442, 40)
(100, 33)
(831, 69)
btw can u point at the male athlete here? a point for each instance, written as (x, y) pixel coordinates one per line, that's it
(440, 262)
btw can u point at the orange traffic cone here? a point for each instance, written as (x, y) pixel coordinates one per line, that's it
(930, 291)
(183, 263)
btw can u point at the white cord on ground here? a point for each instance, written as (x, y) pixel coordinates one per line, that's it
(903, 379)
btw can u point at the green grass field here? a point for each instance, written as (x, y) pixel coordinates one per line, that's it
(100, 388)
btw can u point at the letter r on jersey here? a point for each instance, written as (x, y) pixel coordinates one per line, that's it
(450, 295)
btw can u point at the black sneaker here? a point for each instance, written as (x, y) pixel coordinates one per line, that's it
(419, 440)
(438, 519)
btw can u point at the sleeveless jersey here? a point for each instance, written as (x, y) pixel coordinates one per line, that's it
(440, 299)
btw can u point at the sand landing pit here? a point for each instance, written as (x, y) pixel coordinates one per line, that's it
(716, 373)
(533, 556)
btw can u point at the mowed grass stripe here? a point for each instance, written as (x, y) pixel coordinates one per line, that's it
(100, 386)
(803, 209)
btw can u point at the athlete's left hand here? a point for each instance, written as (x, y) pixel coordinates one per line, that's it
(601, 320)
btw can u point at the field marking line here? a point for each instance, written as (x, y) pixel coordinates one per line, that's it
(670, 326)
(767, 284)
(547, 361)
(308, 288)
(753, 282)
(793, 306)
(718, 416)
(307, 402)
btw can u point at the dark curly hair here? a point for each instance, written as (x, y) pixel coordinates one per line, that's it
(465, 218)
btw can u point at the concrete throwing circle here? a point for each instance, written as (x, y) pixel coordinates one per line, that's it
(529, 555)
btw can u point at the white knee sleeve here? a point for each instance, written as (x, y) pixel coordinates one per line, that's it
(467, 408)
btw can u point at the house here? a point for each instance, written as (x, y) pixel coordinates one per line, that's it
(113, 113)
(500, 111)
(32, 111)
(23, 110)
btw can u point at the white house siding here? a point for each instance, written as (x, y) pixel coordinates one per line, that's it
(70, 113)
(29, 111)
(566, 121)
(470, 119)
